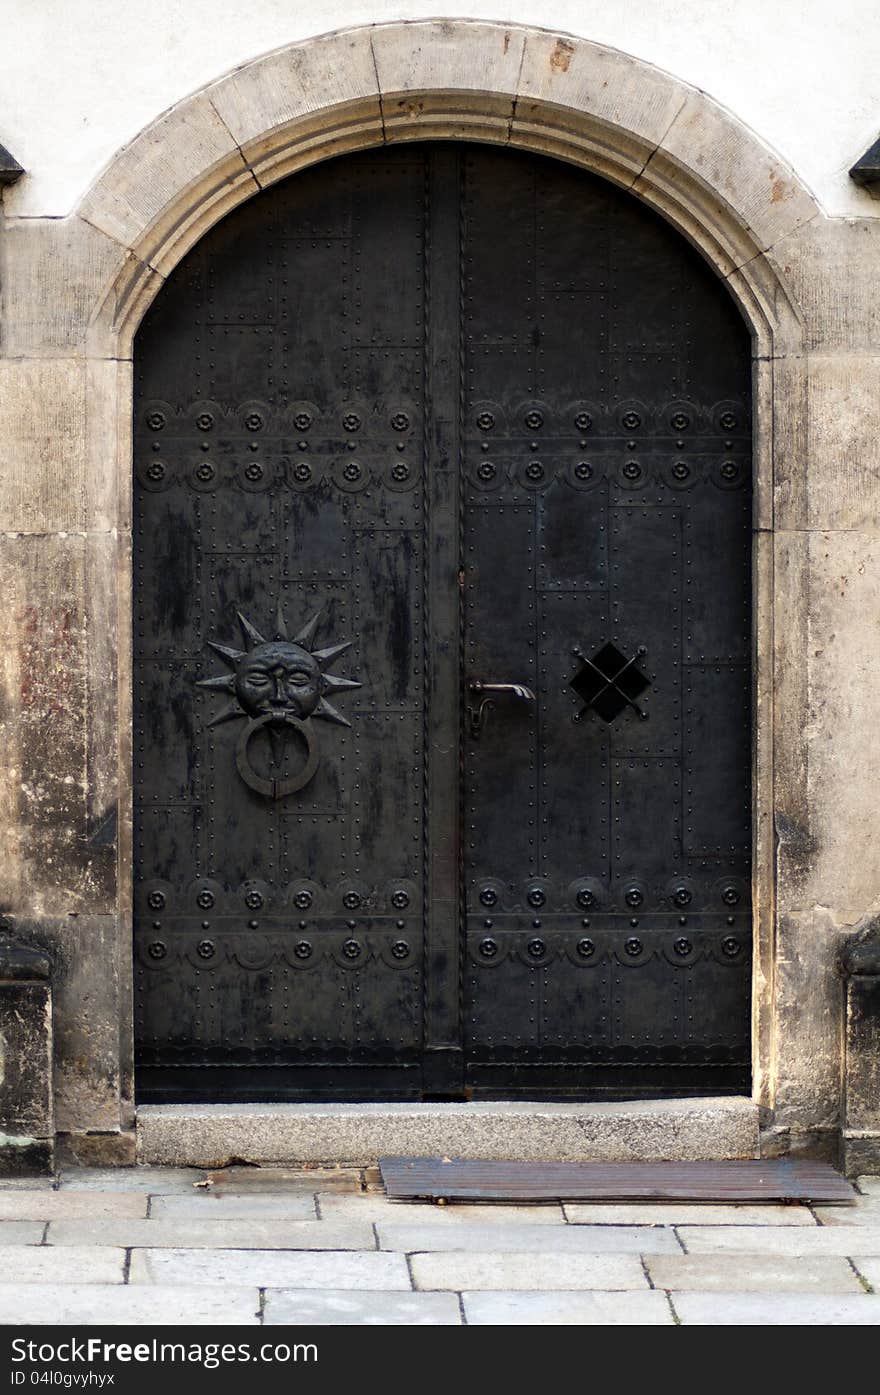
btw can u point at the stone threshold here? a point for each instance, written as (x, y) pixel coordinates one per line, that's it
(218, 1135)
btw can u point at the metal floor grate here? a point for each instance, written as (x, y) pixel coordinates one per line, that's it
(462, 1179)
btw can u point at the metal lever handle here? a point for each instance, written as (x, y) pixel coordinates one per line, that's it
(477, 713)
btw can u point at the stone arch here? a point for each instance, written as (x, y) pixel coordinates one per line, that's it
(665, 142)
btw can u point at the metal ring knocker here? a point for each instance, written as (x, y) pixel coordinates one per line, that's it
(277, 789)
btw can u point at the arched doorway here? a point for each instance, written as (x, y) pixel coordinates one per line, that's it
(487, 418)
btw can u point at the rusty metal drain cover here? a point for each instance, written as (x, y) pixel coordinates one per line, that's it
(463, 1179)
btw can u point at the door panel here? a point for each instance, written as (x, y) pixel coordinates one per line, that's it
(487, 418)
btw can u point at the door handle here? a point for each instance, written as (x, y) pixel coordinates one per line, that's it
(486, 695)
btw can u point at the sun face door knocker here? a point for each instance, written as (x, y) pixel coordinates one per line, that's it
(279, 684)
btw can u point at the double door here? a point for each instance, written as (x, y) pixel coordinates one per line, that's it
(442, 533)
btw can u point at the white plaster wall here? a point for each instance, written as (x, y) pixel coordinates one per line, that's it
(79, 78)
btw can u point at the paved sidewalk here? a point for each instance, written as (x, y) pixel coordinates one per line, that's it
(264, 1246)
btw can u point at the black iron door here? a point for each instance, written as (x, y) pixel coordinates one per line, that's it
(442, 535)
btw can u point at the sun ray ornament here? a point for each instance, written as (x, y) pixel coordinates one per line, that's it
(280, 684)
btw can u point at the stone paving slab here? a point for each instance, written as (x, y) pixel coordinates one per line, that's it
(533, 1239)
(379, 1209)
(561, 1309)
(799, 1240)
(376, 1309)
(130, 1179)
(258, 1233)
(646, 1213)
(869, 1268)
(113, 1305)
(39, 1264)
(750, 1273)
(232, 1206)
(865, 1212)
(27, 1184)
(526, 1272)
(50, 1206)
(777, 1310)
(22, 1232)
(869, 1186)
(341, 1269)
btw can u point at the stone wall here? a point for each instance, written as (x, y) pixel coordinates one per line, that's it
(73, 290)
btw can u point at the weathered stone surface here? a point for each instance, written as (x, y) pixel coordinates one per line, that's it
(202, 1205)
(83, 1303)
(82, 1150)
(86, 1014)
(865, 1212)
(776, 1310)
(862, 1054)
(868, 1185)
(379, 1210)
(869, 1268)
(241, 1181)
(156, 1180)
(859, 1152)
(54, 1206)
(284, 89)
(524, 1272)
(767, 1240)
(43, 1264)
(574, 1309)
(55, 274)
(26, 1106)
(42, 428)
(602, 83)
(832, 266)
(731, 163)
(207, 1135)
(20, 1232)
(302, 1307)
(437, 55)
(534, 1239)
(752, 1273)
(676, 1213)
(808, 1018)
(186, 147)
(345, 1269)
(843, 419)
(186, 1232)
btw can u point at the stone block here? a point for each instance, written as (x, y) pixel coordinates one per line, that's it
(26, 1112)
(751, 1273)
(282, 104)
(808, 1020)
(573, 1309)
(83, 1304)
(776, 1310)
(43, 1264)
(733, 165)
(529, 1239)
(158, 1181)
(86, 1019)
(865, 1212)
(20, 1232)
(187, 1232)
(859, 1152)
(676, 1213)
(869, 1268)
(596, 100)
(789, 1242)
(842, 462)
(862, 1054)
(436, 77)
(188, 147)
(339, 1307)
(526, 1272)
(343, 1269)
(832, 267)
(205, 1205)
(209, 1135)
(378, 1210)
(43, 431)
(868, 1185)
(286, 1181)
(56, 1206)
(87, 1150)
(55, 273)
